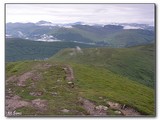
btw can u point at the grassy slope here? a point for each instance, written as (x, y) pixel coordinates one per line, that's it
(136, 63)
(51, 81)
(91, 82)
(100, 72)
(96, 82)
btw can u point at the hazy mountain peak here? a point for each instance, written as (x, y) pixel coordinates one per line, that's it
(43, 22)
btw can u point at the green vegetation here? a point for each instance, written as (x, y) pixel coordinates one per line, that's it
(123, 75)
(112, 36)
(136, 63)
(109, 35)
(110, 70)
(51, 83)
(130, 38)
(20, 49)
(16, 68)
(90, 82)
(96, 82)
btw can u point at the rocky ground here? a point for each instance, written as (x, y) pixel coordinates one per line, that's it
(22, 92)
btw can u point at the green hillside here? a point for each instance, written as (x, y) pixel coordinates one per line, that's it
(79, 81)
(130, 38)
(42, 86)
(136, 63)
(110, 36)
(45, 81)
(21, 49)
(96, 82)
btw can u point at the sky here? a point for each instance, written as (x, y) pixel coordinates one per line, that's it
(88, 13)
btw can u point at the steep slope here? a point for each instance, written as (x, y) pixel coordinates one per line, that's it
(101, 85)
(40, 88)
(136, 63)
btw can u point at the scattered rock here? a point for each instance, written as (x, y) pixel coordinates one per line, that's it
(54, 93)
(9, 91)
(71, 84)
(23, 78)
(15, 102)
(69, 73)
(9, 113)
(92, 109)
(38, 93)
(104, 100)
(54, 87)
(58, 80)
(65, 110)
(36, 76)
(117, 112)
(124, 109)
(39, 104)
(100, 97)
(123, 106)
(16, 113)
(101, 107)
(114, 105)
(44, 90)
(128, 111)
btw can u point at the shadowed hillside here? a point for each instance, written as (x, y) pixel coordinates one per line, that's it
(20, 49)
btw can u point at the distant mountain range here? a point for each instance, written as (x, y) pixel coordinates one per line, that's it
(80, 69)
(112, 35)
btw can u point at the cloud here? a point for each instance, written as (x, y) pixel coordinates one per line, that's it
(92, 13)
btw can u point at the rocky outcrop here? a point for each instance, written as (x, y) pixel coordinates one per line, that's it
(123, 109)
(16, 102)
(69, 73)
(69, 76)
(92, 109)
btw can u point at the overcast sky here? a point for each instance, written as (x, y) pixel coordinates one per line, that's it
(90, 13)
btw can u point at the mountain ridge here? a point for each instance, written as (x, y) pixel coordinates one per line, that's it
(107, 35)
(137, 63)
